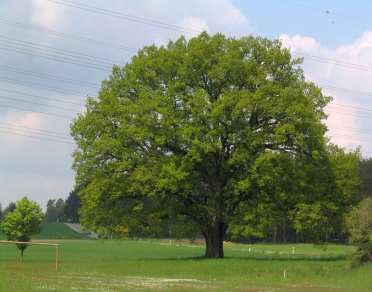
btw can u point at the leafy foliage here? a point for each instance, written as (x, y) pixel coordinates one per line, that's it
(359, 219)
(71, 207)
(22, 222)
(300, 199)
(366, 177)
(187, 125)
(359, 223)
(55, 211)
(363, 254)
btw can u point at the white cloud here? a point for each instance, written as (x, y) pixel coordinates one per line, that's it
(298, 42)
(345, 122)
(45, 13)
(195, 24)
(13, 129)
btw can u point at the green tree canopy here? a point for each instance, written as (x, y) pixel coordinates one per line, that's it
(184, 125)
(359, 219)
(22, 222)
(300, 199)
(359, 224)
(366, 177)
(71, 207)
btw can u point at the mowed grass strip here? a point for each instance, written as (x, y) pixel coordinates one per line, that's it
(126, 265)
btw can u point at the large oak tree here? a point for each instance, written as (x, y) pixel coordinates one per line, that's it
(181, 126)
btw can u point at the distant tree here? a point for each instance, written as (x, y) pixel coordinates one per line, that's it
(55, 210)
(366, 177)
(359, 219)
(185, 124)
(72, 206)
(22, 222)
(9, 208)
(359, 223)
(51, 211)
(60, 210)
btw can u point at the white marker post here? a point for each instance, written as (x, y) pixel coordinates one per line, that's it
(284, 274)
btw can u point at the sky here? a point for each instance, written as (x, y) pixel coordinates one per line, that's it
(54, 53)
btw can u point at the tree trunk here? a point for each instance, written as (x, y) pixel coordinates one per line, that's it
(214, 237)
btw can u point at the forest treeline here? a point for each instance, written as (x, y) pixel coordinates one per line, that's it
(56, 210)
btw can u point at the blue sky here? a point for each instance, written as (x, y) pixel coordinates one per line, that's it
(39, 168)
(345, 21)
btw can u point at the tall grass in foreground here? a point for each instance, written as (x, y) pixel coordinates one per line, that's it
(127, 265)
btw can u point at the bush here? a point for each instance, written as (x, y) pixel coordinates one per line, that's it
(359, 225)
(363, 254)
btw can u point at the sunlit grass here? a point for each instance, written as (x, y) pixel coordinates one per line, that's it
(126, 265)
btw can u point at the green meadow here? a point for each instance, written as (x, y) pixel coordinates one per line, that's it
(160, 265)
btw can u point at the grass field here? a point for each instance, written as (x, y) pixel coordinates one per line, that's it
(125, 265)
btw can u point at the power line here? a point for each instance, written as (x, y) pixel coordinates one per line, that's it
(56, 55)
(52, 56)
(42, 97)
(129, 17)
(36, 130)
(41, 75)
(37, 112)
(347, 106)
(336, 62)
(63, 35)
(39, 86)
(354, 91)
(40, 137)
(34, 133)
(37, 103)
(69, 53)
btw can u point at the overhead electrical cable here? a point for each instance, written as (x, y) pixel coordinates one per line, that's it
(27, 131)
(41, 87)
(57, 55)
(42, 75)
(41, 138)
(334, 87)
(60, 100)
(37, 103)
(63, 35)
(69, 53)
(332, 61)
(35, 130)
(124, 16)
(36, 111)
